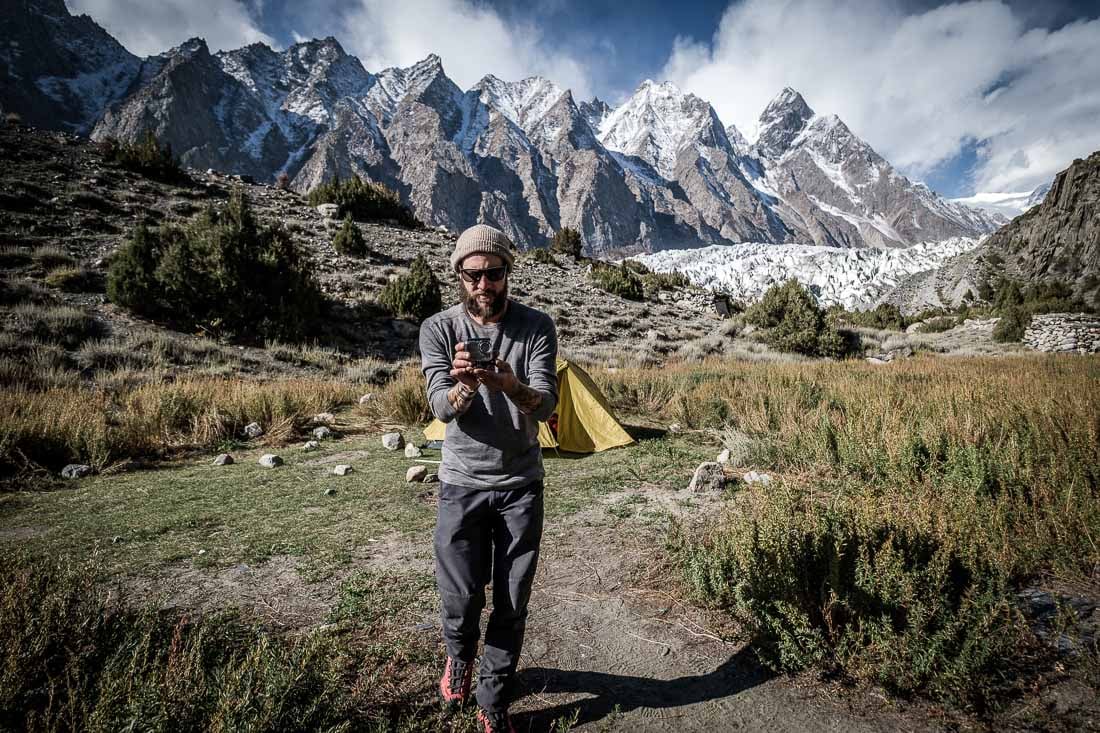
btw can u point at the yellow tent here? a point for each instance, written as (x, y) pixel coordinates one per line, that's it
(585, 422)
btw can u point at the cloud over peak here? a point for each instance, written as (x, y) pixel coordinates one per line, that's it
(919, 87)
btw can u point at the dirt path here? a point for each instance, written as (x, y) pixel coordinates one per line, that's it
(606, 644)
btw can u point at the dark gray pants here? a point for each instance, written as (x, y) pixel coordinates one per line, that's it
(482, 535)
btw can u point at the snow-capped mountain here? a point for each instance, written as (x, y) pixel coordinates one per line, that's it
(836, 275)
(661, 171)
(1010, 204)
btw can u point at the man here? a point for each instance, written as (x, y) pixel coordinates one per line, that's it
(490, 498)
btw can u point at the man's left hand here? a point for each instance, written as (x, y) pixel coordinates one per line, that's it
(502, 380)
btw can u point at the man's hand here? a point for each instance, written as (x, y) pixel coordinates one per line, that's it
(505, 380)
(502, 380)
(462, 369)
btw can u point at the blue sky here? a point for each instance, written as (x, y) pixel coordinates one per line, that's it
(979, 95)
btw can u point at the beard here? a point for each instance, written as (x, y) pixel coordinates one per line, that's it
(474, 308)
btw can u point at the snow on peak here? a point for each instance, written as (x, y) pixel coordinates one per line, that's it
(780, 123)
(524, 102)
(656, 123)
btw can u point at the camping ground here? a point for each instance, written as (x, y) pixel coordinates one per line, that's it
(193, 596)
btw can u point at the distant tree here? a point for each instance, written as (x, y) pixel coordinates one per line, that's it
(795, 322)
(567, 242)
(415, 294)
(349, 240)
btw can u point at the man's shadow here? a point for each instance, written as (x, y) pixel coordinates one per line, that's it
(740, 672)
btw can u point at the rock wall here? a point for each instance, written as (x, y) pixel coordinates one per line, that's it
(1078, 332)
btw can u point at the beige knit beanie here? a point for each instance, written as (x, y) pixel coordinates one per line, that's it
(482, 239)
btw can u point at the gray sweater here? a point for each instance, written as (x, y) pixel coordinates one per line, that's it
(492, 445)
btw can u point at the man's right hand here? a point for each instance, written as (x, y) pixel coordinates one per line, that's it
(462, 369)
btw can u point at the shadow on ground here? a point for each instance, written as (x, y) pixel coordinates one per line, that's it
(607, 692)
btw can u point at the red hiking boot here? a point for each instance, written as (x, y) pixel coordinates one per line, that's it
(455, 685)
(494, 722)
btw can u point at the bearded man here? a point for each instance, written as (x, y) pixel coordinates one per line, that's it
(489, 524)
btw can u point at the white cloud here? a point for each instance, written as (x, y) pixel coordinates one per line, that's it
(147, 28)
(472, 39)
(917, 87)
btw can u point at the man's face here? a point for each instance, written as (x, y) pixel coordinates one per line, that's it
(483, 297)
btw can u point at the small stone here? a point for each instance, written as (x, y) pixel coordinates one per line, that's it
(724, 456)
(411, 451)
(755, 477)
(324, 418)
(342, 470)
(322, 433)
(253, 430)
(366, 398)
(328, 211)
(709, 476)
(76, 470)
(415, 474)
(202, 552)
(674, 427)
(223, 459)
(393, 441)
(270, 460)
(311, 445)
(330, 492)
(116, 539)
(431, 478)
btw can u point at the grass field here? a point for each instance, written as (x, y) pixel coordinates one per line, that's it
(908, 505)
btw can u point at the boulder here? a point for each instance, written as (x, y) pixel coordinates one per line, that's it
(76, 470)
(253, 430)
(311, 445)
(321, 433)
(270, 460)
(223, 459)
(342, 470)
(416, 474)
(411, 451)
(709, 476)
(393, 441)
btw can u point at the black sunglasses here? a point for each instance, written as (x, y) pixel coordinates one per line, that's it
(495, 274)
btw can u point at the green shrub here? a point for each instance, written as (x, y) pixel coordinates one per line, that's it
(828, 586)
(539, 254)
(415, 294)
(221, 273)
(617, 280)
(567, 241)
(363, 201)
(884, 316)
(795, 323)
(75, 280)
(637, 267)
(1012, 324)
(349, 240)
(655, 281)
(938, 325)
(145, 156)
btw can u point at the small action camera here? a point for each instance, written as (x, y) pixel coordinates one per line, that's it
(481, 352)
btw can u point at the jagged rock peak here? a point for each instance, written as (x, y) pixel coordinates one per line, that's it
(190, 47)
(524, 102)
(781, 122)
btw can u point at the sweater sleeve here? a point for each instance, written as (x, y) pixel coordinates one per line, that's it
(543, 372)
(435, 362)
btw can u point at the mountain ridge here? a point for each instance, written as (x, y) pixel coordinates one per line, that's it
(660, 171)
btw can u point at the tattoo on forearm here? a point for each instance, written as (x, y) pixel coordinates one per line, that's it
(461, 397)
(526, 398)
